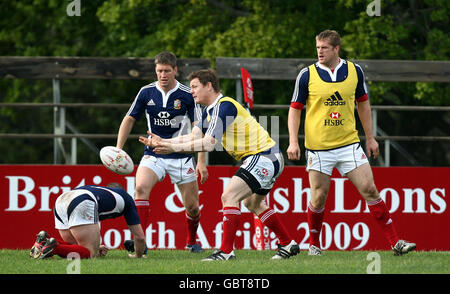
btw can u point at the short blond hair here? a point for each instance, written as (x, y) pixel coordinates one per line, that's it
(332, 36)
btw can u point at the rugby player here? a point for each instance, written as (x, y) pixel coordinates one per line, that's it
(329, 89)
(77, 217)
(166, 104)
(225, 120)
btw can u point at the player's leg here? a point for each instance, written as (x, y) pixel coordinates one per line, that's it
(320, 184)
(70, 244)
(189, 194)
(234, 193)
(147, 175)
(362, 178)
(64, 247)
(319, 166)
(270, 167)
(256, 204)
(88, 236)
(182, 173)
(67, 237)
(63, 223)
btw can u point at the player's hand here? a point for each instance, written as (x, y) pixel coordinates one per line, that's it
(372, 148)
(102, 250)
(164, 148)
(202, 170)
(293, 152)
(146, 141)
(151, 141)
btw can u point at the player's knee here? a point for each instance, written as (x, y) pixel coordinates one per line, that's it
(192, 210)
(141, 192)
(224, 198)
(370, 192)
(319, 199)
(251, 205)
(227, 199)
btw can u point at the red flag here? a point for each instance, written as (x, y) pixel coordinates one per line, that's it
(248, 87)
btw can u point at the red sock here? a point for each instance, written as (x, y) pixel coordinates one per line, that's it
(191, 228)
(143, 209)
(270, 218)
(231, 221)
(315, 219)
(64, 249)
(382, 216)
(62, 242)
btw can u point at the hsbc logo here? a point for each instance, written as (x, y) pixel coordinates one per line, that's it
(262, 173)
(163, 119)
(335, 115)
(163, 114)
(335, 120)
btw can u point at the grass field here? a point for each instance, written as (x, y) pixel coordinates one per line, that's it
(247, 262)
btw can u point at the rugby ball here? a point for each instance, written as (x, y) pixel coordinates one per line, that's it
(116, 160)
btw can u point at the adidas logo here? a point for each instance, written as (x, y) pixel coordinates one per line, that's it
(190, 171)
(151, 103)
(335, 99)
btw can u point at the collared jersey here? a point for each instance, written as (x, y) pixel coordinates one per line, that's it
(240, 134)
(330, 104)
(167, 114)
(111, 203)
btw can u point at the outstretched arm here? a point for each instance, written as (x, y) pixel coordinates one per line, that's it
(124, 130)
(193, 144)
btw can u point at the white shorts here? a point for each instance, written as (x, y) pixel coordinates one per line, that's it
(260, 171)
(345, 159)
(180, 170)
(75, 208)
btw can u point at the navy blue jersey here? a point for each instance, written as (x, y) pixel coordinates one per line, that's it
(166, 114)
(216, 118)
(112, 203)
(339, 74)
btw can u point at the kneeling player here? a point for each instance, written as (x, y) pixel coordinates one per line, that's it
(77, 217)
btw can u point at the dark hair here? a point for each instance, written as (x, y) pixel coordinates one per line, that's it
(166, 57)
(206, 76)
(332, 36)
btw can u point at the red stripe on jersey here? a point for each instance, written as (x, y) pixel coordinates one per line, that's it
(297, 105)
(362, 98)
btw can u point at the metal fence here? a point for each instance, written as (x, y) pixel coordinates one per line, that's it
(61, 126)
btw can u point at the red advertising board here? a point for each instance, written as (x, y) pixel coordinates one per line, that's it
(416, 197)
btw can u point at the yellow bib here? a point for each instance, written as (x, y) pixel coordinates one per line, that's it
(244, 136)
(330, 111)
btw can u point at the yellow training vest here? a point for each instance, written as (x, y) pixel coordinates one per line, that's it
(330, 111)
(244, 136)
